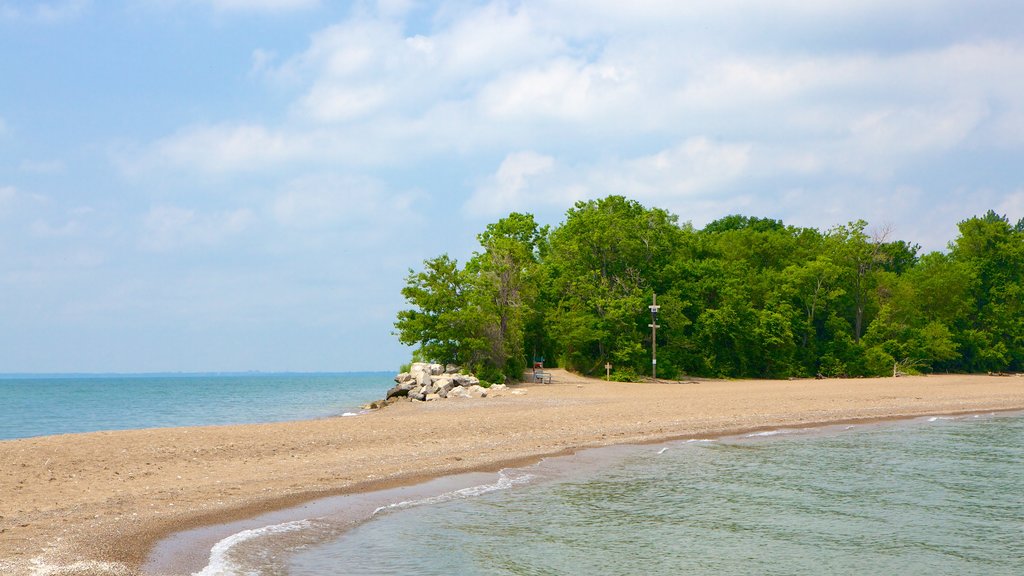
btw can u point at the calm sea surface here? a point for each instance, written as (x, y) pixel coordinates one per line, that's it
(37, 406)
(932, 496)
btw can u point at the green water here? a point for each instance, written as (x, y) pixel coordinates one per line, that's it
(936, 497)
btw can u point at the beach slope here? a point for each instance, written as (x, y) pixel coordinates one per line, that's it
(97, 503)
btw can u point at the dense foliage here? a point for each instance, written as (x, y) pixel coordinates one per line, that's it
(744, 296)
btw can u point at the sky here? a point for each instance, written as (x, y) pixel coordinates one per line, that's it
(232, 185)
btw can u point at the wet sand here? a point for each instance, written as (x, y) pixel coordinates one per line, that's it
(97, 503)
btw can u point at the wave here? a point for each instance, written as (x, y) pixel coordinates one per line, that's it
(504, 482)
(220, 561)
(777, 432)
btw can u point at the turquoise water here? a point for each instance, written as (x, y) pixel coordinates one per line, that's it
(37, 406)
(932, 496)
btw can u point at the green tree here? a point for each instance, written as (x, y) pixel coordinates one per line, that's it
(995, 252)
(505, 282)
(441, 322)
(604, 263)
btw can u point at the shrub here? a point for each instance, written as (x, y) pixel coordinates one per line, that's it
(878, 362)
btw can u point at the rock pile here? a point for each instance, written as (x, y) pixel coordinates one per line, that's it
(434, 381)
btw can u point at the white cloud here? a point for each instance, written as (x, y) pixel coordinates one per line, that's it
(510, 187)
(696, 166)
(169, 227)
(394, 8)
(493, 78)
(8, 194)
(228, 148)
(44, 11)
(326, 200)
(43, 229)
(630, 99)
(262, 60)
(1013, 206)
(262, 5)
(562, 89)
(672, 178)
(42, 166)
(332, 103)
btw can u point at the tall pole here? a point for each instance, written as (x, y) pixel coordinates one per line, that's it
(654, 336)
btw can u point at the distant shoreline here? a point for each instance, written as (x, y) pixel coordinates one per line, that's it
(99, 502)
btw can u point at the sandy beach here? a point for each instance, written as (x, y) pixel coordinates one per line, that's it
(97, 503)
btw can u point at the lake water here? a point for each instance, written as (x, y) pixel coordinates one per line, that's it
(43, 405)
(931, 496)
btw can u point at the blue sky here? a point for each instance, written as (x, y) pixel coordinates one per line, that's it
(191, 185)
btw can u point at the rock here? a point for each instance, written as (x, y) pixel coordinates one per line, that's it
(518, 392)
(423, 378)
(396, 391)
(497, 390)
(425, 381)
(444, 384)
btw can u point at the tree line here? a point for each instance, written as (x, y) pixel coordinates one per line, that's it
(742, 297)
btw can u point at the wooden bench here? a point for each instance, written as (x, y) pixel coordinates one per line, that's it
(542, 377)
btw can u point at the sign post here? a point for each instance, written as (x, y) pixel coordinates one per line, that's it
(608, 371)
(654, 336)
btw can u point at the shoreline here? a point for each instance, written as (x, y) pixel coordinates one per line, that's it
(89, 518)
(291, 514)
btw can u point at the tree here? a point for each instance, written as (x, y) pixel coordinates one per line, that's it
(861, 255)
(745, 296)
(505, 287)
(994, 251)
(604, 262)
(441, 323)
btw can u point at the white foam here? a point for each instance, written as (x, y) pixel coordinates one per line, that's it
(350, 414)
(778, 432)
(663, 450)
(765, 433)
(504, 483)
(220, 562)
(692, 440)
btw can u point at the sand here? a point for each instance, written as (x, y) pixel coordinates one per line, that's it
(97, 503)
